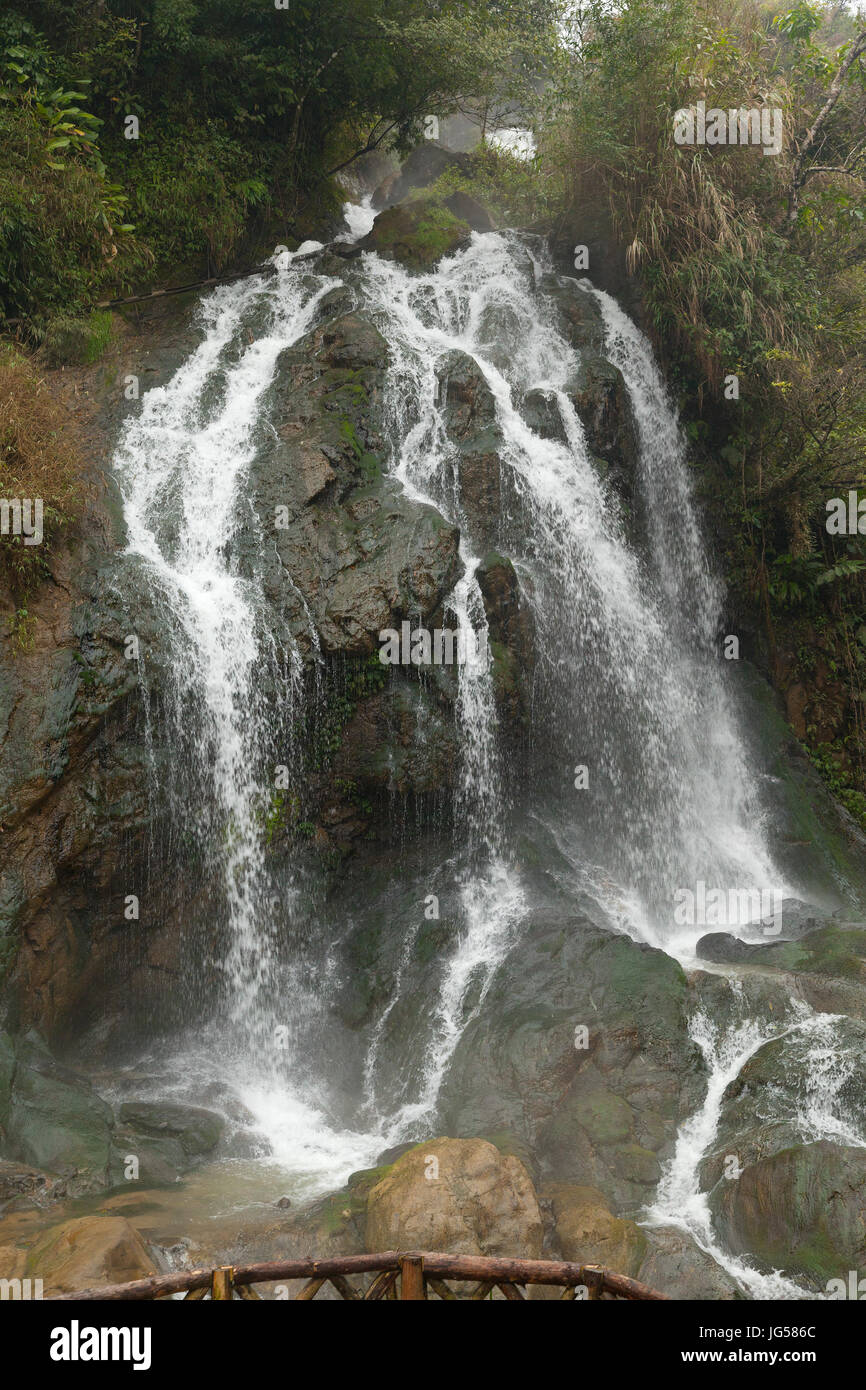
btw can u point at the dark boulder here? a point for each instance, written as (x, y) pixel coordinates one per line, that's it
(424, 166)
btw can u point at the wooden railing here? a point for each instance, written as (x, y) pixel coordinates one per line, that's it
(410, 1272)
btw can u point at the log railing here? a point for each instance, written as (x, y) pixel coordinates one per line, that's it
(396, 1275)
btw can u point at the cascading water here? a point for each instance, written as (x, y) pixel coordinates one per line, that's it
(815, 1050)
(629, 684)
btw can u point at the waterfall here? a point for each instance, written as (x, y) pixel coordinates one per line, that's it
(817, 1057)
(629, 683)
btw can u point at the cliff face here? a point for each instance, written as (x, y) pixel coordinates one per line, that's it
(356, 555)
(73, 777)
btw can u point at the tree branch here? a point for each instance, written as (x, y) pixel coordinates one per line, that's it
(858, 46)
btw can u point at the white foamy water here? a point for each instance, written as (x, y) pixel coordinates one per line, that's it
(515, 140)
(359, 218)
(814, 1054)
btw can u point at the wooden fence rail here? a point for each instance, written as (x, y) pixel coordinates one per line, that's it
(413, 1272)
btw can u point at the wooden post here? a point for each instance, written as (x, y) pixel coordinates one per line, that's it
(594, 1280)
(412, 1277)
(221, 1288)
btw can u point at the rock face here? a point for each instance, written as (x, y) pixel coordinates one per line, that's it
(165, 1139)
(73, 780)
(581, 1054)
(459, 1195)
(52, 1119)
(355, 555)
(87, 1252)
(674, 1264)
(56, 1122)
(803, 1210)
(425, 164)
(599, 395)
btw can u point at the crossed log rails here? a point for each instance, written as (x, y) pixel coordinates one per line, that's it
(417, 1271)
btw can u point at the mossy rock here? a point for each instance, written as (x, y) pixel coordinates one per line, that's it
(417, 234)
(802, 1211)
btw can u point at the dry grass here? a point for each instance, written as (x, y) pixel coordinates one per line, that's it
(38, 459)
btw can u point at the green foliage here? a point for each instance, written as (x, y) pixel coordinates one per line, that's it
(241, 107)
(517, 192)
(746, 272)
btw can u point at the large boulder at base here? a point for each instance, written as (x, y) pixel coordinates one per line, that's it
(416, 234)
(166, 1140)
(196, 1130)
(89, 1251)
(588, 1232)
(57, 1121)
(803, 1211)
(473, 1200)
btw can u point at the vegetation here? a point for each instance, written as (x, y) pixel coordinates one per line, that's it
(38, 459)
(751, 266)
(139, 134)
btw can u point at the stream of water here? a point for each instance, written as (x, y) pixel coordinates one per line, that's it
(630, 684)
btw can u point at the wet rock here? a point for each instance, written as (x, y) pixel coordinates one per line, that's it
(20, 1180)
(588, 1232)
(679, 1268)
(477, 1202)
(579, 313)
(57, 1122)
(803, 1211)
(511, 633)
(417, 234)
(352, 554)
(382, 194)
(761, 1107)
(470, 211)
(88, 1252)
(791, 920)
(425, 164)
(197, 1131)
(542, 414)
(470, 420)
(7, 1072)
(581, 1048)
(600, 398)
(398, 741)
